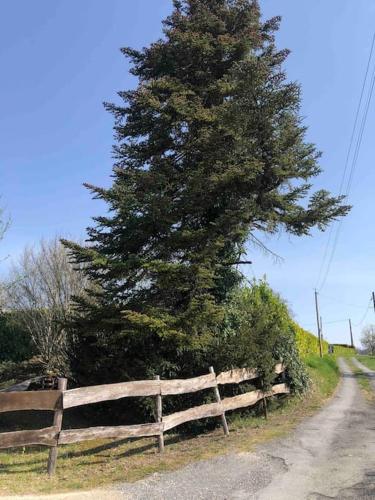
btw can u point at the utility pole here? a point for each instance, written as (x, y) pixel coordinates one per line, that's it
(351, 333)
(318, 323)
(321, 328)
(373, 299)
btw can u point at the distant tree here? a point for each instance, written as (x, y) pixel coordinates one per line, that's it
(3, 224)
(210, 153)
(38, 292)
(258, 331)
(368, 339)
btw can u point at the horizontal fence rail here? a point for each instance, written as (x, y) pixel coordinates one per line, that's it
(59, 400)
(116, 432)
(44, 437)
(238, 375)
(186, 386)
(32, 400)
(110, 392)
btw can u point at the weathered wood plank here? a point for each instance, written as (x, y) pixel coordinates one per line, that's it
(218, 400)
(279, 368)
(238, 375)
(121, 431)
(195, 413)
(108, 392)
(46, 437)
(251, 398)
(278, 389)
(57, 422)
(98, 393)
(159, 417)
(184, 386)
(30, 400)
(242, 400)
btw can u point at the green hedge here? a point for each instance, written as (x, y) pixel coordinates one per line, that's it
(308, 344)
(343, 350)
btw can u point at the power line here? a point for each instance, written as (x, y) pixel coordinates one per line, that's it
(365, 315)
(348, 153)
(350, 180)
(357, 113)
(336, 321)
(353, 164)
(344, 320)
(351, 175)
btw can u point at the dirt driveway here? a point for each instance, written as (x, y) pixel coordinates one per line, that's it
(330, 455)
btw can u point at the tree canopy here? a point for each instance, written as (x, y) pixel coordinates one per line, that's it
(368, 338)
(4, 224)
(210, 152)
(38, 293)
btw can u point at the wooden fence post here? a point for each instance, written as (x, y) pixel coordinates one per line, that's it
(57, 422)
(159, 416)
(265, 410)
(218, 400)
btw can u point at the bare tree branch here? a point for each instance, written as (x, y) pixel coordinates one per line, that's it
(368, 339)
(39, 289)
(257, 242)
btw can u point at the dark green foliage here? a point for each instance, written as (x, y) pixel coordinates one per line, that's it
(257, 332)
(14, 372)
(210, 149)
(286, 350)
(15, 342)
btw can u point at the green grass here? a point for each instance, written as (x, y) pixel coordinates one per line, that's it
(94, 464)
(363, 379)
(368, 361)
(325, 371)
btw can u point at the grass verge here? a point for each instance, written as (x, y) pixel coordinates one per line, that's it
(363, 379)
(94, 464)
(324, 373)
(368, 361)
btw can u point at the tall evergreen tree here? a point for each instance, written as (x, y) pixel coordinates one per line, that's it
(210, 151)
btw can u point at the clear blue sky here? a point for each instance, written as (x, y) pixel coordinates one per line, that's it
(59, 60)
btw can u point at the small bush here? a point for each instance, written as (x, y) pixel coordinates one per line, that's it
(15, 342)
(287, 351)
(12, 373)
(258, 333)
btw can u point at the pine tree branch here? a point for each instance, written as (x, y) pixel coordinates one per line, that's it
(236, 262)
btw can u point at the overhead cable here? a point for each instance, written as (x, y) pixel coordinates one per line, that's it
(352, 168)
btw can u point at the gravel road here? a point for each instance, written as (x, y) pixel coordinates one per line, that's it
(330, 455)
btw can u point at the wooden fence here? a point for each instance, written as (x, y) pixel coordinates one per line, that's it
(61, 399)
